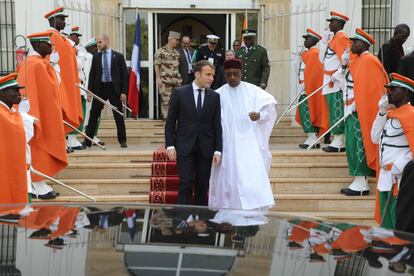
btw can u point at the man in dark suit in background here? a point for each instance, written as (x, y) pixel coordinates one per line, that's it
(406, 68)
(391, 51)
(186, 56)
(193, 134)
(108, 79)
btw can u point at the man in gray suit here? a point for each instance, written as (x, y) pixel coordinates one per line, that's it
(186, 55)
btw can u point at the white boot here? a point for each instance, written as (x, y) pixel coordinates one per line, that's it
(338, 141)
(358, 187)
(359, 184)
(41, 188)
(72, 142)
(310, 140)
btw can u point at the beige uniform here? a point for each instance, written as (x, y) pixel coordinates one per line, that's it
(168, 60)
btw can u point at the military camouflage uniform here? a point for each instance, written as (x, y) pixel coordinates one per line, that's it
(256, 66)
(168, 60)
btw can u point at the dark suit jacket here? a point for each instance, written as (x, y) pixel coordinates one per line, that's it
(406, 68)
(119, 73)
(390, 54)
(183, 67)
(184, 127)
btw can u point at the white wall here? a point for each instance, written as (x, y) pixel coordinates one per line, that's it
(29, 16)
(403, 13)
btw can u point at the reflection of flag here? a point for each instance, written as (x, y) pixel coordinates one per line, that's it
(130, 216)
(134, 76)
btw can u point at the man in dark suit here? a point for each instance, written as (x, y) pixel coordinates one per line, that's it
(193, 134)
(406, 68)
(186, 56)
(108, 79)
(391, 51)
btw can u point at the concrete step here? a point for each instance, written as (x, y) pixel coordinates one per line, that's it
(139, 170)
(309, 170)
(297, 203)
(323, 203)
(314, 185)
(130, 123)
(135, 156)
(105, 186)
(142, 186)
(106, 171)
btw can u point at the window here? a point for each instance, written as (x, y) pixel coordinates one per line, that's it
(7, 34)
(377, 20)
(130, 17)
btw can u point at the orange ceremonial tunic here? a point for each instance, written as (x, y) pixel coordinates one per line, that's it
(69, 93)
(313, 79)
(48, 146)
(13, 172)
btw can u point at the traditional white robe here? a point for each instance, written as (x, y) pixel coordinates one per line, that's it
(240, 180)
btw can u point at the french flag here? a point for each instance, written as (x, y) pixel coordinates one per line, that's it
(134, 75)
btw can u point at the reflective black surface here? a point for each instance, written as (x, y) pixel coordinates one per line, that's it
(104, 239)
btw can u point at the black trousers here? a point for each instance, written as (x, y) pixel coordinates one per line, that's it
(193, 169)
(107, 93)
(405, 206)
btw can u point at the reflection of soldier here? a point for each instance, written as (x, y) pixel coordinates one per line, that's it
(166, 62)
(214, 55)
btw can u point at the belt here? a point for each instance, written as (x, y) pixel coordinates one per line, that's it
(349, 102)
(329, 73)
(387, 167)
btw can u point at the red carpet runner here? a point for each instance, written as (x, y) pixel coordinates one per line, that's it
(164, 179)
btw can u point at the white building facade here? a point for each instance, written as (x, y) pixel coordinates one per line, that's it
(280, 25)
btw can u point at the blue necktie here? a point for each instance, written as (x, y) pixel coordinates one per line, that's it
(199, 104)
(105, 69)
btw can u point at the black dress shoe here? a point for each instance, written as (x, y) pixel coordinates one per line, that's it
(69, 150)
(49, 195)
(56, 243)
(86, 144)
(124, 145)
(293, 245)
(100, 143)
(32, 195)
(349, 192)
(375, 263)
(41, 234)
(305, 146)
(333, 149)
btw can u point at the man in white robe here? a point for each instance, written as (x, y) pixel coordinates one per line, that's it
(241, 180)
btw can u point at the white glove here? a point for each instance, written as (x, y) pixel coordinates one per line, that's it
(326, 36)
(350, 108)
(24, 106)
(346, 56)
(383, 105)
(54, 57)
(301, 49)
(337, 76)
(67, 30)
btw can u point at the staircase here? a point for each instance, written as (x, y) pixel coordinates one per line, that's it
(304, 182)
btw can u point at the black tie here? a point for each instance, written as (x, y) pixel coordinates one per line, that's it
(199, 105)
